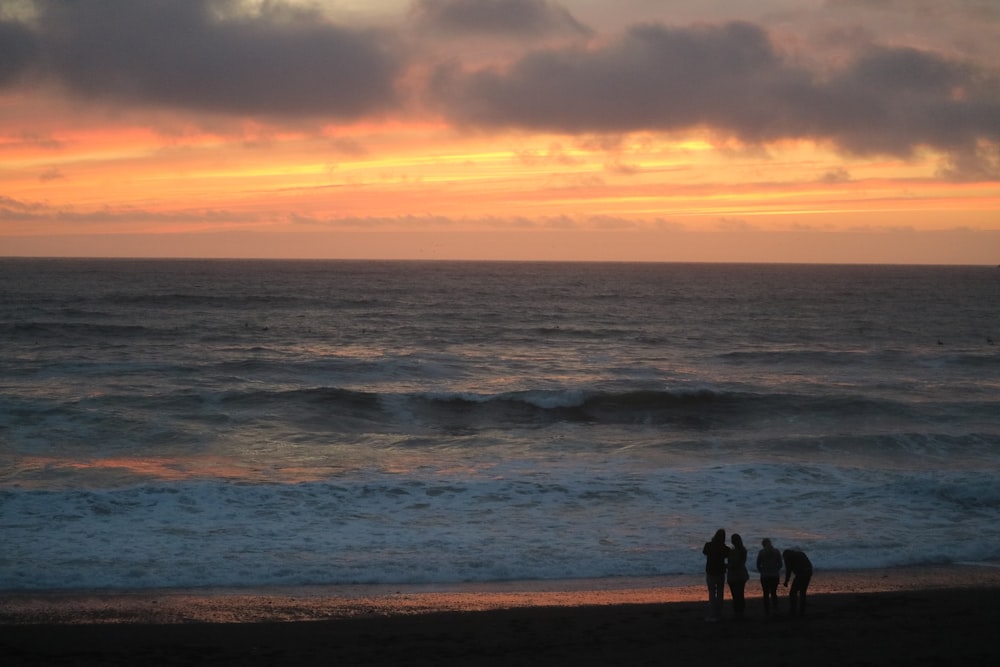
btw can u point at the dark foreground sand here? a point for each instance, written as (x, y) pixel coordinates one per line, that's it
(940, 616)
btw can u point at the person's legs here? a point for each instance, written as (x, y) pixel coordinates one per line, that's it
(797, 594)
(736, 589)
(716, 586)
(793, 594)
(770, 587)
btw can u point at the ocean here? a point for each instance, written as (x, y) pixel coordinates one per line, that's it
(174, 423)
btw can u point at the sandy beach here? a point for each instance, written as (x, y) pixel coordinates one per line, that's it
(913, 616)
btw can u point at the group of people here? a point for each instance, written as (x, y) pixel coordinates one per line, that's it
(728, 564)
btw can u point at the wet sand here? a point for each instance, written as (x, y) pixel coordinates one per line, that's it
(912, 616)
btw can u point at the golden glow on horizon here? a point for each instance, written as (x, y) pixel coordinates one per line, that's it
(391, 176)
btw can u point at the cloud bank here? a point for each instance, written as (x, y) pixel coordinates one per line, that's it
(277, 61)
(205, 55)
(731, 78)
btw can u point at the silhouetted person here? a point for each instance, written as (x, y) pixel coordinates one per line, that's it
(797, 563)
(769, 565)
(737, 575)
(716, 553)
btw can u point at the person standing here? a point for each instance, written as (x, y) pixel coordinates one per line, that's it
(797, 563)
(769, 565)
(716, 554)
(737, 575)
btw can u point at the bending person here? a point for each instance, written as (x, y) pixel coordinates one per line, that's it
(797, 563)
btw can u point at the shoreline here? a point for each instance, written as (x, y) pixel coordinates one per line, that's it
(907, 616)
(331, 602)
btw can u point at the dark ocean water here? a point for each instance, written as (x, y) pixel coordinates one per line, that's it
(246, 423)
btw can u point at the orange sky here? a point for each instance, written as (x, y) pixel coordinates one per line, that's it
(436, 129)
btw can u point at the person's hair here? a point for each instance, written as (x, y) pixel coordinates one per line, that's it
(737, 540)
(766, 541)
(720, 536)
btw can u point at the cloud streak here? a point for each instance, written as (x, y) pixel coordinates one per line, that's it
(516, 18)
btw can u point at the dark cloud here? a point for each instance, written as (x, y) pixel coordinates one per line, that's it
(653, 77)
(207, 55)
(732, 79)
(496, 17)
(18, 51)
(894, 99)
(839, 175)
(51, 174)
(976, 9)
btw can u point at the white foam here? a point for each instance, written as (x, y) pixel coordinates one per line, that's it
(513, 523)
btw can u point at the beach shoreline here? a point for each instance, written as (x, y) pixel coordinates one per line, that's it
(307, 603)
(940, 615)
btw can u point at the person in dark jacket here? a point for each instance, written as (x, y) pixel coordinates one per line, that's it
(769, 565)
(797, 563)
(737, 575)
(716, 554)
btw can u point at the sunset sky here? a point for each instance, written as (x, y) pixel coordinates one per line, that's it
(635, 130)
